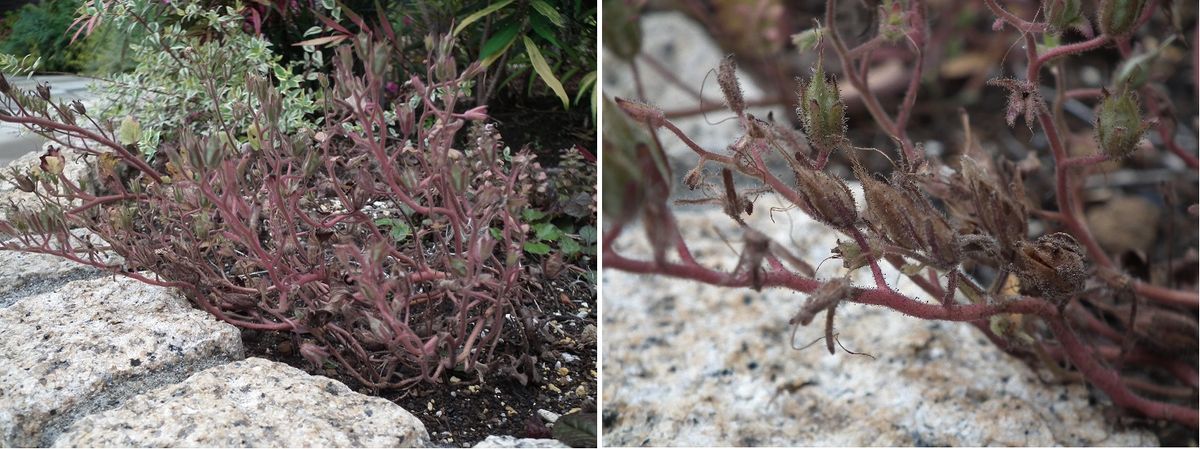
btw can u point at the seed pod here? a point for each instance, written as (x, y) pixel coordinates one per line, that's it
(727, 79)
(641, 112)
(825, 197)
(1117, 17)
(908, 219)
(1062, 14)
(821, 111)
(4, 86)
(695, 176)
(1119, 124)
(1052, 267)
(997, 209)
(43, 90)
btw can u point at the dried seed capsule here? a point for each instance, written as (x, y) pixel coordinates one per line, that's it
(1052, 267)
(727, 79)
(821, 111)
(4, 86)
(826, 198)
(1117, 17)
(1119, 124)
(909, 220)
(43, 90)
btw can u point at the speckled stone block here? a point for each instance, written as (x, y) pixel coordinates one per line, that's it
(250, 403)
(89, 345)
(509, 441)
(24, 274)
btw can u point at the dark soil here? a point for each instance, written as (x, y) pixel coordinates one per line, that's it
(464, 411)
(541, 124)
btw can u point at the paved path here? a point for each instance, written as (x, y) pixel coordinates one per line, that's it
(15, 141)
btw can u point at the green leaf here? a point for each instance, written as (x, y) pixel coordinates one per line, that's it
(532, 215)
(543, 70)
(588, 234)
(479, 15)
(495, 233)
(542, 28)
(538, 248)
(548, 12)
(400, 229)
(576, 429)
(547, 231)
(498, 44)
(569, 246)
(588, 81)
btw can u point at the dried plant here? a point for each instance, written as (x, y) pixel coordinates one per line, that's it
(1058, 301)
(283, 232)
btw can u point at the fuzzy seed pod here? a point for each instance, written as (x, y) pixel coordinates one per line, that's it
(641, 112)
(996, 208)
(908, 219)
(826, 198)
(1052, 267)
(1119, 125)
(1062, 14)
(1117, 17)
(821, 111)
(727, 79)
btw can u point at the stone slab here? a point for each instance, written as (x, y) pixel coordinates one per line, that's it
(89, 345)
(250, 403)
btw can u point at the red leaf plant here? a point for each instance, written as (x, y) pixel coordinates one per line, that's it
(281, 233)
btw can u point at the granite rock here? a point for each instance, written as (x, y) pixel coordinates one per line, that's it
(697, 365)
(250, 403)
(510, 441)
(25, 274)
(89, 345)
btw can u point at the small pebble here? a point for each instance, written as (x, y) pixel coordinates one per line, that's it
(547, 415)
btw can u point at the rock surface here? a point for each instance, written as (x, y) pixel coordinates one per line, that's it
(90, 344)
(250, 403)
(508, 441)
(696, 365)
(24, 274)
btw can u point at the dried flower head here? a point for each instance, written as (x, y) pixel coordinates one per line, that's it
(1053, 267)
